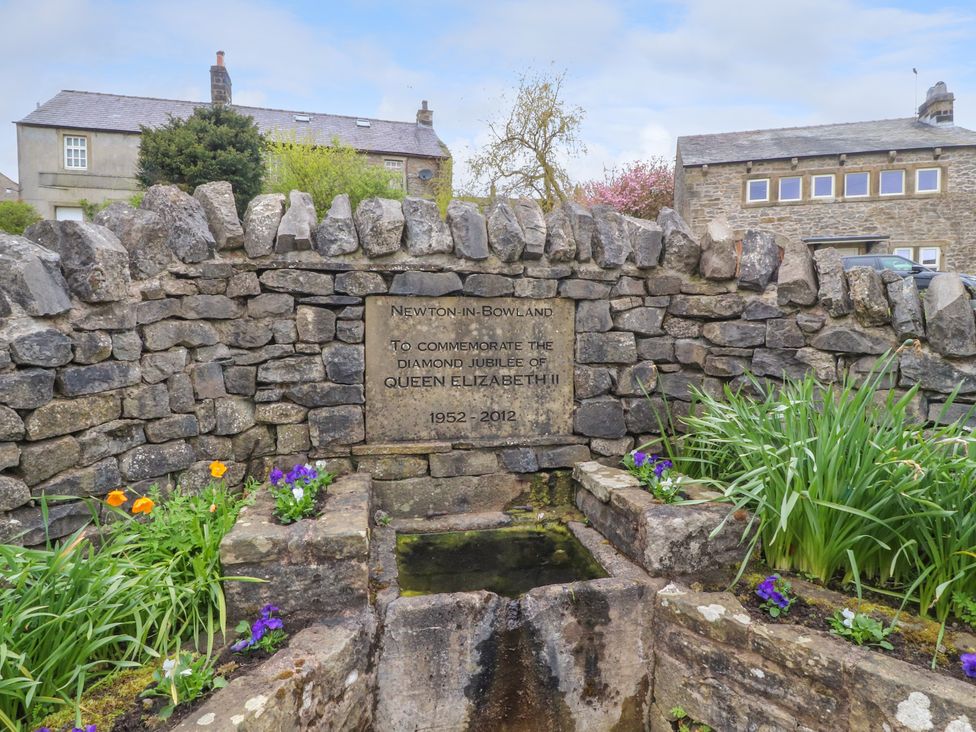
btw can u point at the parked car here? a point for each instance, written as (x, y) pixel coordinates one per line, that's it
(905, 267)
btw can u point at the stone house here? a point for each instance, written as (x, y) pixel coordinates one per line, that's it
(9, 190)
(84, 145)
(902, 186)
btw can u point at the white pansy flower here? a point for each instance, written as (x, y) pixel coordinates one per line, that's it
(320, 465)
(849, 616)
(298, 492)
(169, 665)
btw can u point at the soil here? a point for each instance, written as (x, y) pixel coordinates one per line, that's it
(815, 617)
(142, 712)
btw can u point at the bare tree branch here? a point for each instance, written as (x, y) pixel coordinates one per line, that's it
(526, 152)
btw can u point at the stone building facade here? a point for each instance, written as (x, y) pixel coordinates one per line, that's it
(136, 349)
(84, 146)
(919, 200)
(9, 190)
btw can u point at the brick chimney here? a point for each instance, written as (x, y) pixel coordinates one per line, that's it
(937, 107)
(425, 116)
(219, 82)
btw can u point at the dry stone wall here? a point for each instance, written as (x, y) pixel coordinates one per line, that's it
(136, 349)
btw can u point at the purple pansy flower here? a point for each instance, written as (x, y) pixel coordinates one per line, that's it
(767, 591)
(639, 458)
(276, 476)
(260, 628)
(968, 661)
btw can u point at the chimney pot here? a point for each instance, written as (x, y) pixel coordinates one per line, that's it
(220, 58)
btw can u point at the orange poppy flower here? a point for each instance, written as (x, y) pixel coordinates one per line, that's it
(213, 507)
(143, 505)
(116, 498)
(217, 469)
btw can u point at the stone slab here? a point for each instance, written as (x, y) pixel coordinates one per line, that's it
(459, 367)
(423, 497)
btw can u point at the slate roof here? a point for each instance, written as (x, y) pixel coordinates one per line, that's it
(118, 113)
(851, 137)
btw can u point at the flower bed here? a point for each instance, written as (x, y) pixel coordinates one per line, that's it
(299, 493)
(112, 596)
(313, 568)
(665, 539)
(846, 485)
(911, 639)
(720, 664)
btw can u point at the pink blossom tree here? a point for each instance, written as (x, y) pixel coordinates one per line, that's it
(641, 188)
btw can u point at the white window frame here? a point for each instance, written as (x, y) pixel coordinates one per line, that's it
(881, 178)
(71, 144)
(858, 195)
(906, 252)
(938, 256)
(833, 185)
(749, 198)
(399, 165)
(69, 213)
(938, 181)
(800, 191)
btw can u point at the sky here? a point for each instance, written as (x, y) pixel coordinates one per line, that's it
(643, 72)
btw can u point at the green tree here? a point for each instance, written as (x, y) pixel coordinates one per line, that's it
(526, 151)
(214, 143)
(15, 216)
(325, 171)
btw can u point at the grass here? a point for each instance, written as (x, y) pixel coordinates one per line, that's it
(844, 483)
(73, 613)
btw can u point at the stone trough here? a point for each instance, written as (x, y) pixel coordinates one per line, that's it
(613, 653)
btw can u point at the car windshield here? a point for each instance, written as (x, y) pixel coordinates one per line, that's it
(898, 264)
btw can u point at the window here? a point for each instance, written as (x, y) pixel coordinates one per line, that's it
(857, 185)
(757, 190)
(896, 263)
(892, 183)
(929, 256)
(68, 213)
(75, 152)
(823, 186)
(396, 167)
(790, 189)
(927, 180)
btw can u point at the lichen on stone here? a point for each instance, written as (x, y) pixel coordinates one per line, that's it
(914, 712)
(711, 613)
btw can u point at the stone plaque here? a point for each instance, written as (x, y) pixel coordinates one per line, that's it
(444, 368)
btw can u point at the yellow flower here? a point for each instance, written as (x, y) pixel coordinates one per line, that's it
(143, 505)
(116, 498)
(217, 469)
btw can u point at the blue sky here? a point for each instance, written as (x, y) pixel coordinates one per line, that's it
(645, 72)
